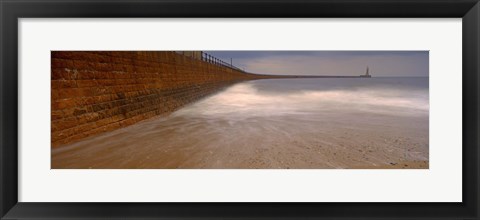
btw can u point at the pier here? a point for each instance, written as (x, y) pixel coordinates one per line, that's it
(99, 91)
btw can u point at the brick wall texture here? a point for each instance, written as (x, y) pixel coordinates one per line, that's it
(95, 92)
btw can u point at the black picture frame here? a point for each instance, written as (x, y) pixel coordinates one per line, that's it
(11, 11)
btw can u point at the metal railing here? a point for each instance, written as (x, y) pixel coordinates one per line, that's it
(213, 60)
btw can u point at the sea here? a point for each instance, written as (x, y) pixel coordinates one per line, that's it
(275, 123)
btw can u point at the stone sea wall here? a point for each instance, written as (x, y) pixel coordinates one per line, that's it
(98, 91)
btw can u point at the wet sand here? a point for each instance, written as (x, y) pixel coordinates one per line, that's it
(222, 133)
(153, 145)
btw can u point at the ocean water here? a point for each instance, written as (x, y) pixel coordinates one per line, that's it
(275, 123)
(315, 98)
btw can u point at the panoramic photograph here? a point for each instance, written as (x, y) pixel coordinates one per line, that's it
(239, 109)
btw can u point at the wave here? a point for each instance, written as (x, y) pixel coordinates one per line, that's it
(246, 100)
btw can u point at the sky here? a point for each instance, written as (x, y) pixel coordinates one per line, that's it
(344, 63)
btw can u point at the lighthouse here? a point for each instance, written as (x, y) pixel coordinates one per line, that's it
(367, 74)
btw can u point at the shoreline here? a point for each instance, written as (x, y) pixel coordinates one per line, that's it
(257, 127)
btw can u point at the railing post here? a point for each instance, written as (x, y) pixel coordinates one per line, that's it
(216, 61)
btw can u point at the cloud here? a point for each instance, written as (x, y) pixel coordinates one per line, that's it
(381, 63)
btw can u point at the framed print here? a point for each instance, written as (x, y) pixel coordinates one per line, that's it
(224, 109)
(96, 97)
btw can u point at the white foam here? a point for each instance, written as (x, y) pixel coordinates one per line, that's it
(245, 100)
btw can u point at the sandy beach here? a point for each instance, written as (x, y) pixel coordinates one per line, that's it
(250, 126)
(203, 147)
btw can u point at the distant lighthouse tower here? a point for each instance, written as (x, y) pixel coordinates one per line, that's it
(367, 74)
